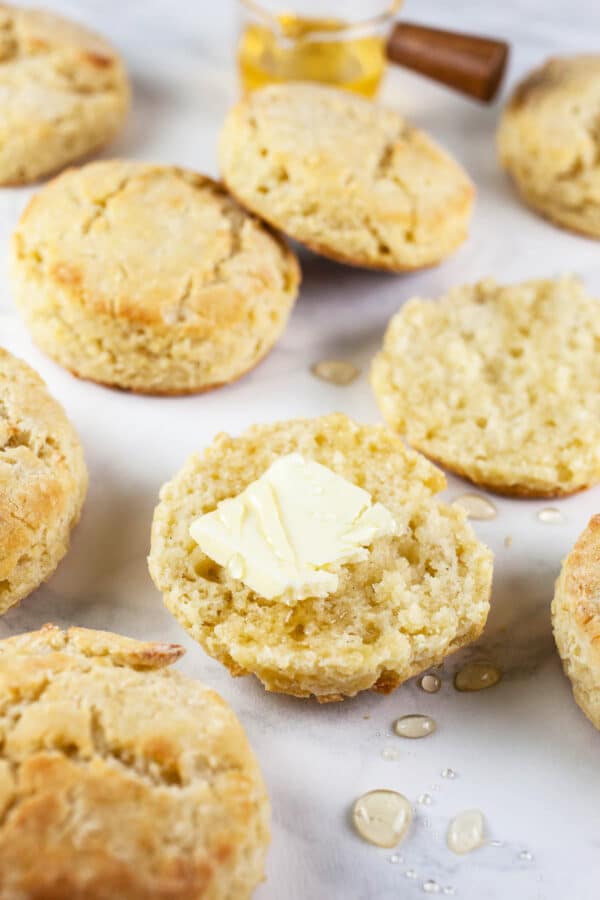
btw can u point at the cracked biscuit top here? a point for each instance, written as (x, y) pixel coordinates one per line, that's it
(152, 244)
(63, 93)
(43, 480)
(549, 141)
(150, 277)
(120, 777)
(576, 619)
(350, 179)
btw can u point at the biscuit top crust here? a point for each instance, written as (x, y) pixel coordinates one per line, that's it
(344, 174)
(150, 244)
(566, 78)
(120, 777)
(41, 459)
(29, 32)
(47, 63)
(104, 647)
(550, 126)
(581, 584)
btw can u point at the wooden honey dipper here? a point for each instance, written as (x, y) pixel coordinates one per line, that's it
(467, 63)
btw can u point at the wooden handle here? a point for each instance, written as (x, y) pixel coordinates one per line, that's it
(467, 63)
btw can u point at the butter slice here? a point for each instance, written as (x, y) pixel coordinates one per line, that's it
(285, 531)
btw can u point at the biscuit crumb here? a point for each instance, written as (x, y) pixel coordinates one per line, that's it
(420, 595)
(510, 395)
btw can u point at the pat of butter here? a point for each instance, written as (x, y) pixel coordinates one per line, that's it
(285, 531)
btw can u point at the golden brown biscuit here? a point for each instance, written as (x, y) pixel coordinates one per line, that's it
(419, 596)
(500, 384)
(576, 619)
(150, 278)
(548, 141)
(43, 481)
(63, 93)
(350, 179)
(120, 778)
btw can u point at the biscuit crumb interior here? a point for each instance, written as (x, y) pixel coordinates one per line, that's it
(419, 596)
(509, 395)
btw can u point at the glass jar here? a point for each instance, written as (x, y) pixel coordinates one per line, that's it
(336, 42)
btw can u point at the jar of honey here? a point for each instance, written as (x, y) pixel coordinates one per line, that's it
(345, 48)
(346, 43)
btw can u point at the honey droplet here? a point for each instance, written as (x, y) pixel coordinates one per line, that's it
(466, 831)
(382, 817)
(508, 540)
(335, 371)
(430, 683)
(390, 754)
(414, 726)
(476, 506)
(550, 516)
(477, 676)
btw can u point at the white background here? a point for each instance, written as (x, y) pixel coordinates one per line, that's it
(523, 752)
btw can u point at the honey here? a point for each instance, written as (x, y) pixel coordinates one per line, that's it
(382, 817)
(335, 371)
(550, 516)
(298, 48)
(477, 676)
(414, 726)
(466, 832)
(476, 506)
(429, 683)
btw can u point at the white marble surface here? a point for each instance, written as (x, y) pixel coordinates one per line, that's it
(523, 752)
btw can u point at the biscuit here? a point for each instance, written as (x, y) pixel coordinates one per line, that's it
(499, 384)
(120, 777)
(43, 481)
(150, 278)
(350, 179)
(64, 93)
(576, 619)
(419, 596)
(549, 142)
